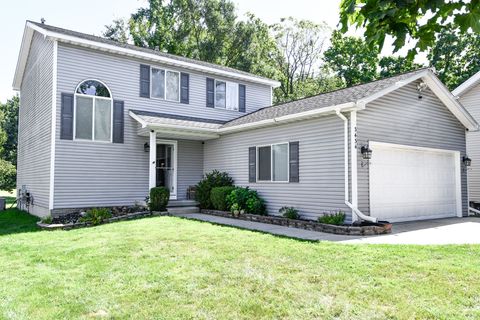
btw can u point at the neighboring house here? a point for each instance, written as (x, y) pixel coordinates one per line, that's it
(102, 122)
(468, 94)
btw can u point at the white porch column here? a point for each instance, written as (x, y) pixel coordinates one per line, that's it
(153, 156)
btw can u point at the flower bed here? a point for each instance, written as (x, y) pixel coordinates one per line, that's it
(353, 230)
(72, 220)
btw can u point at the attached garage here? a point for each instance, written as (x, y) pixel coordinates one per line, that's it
(414, 183)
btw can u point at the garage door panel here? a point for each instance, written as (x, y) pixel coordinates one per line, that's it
(409, 184)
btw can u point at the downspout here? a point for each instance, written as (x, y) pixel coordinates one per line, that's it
(354, 209)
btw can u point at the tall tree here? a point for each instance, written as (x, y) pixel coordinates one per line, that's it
(455, 56)
(9, 124)
(301, 44)
(117, 30)
(419, 20)
(351, 59)
(391, 65)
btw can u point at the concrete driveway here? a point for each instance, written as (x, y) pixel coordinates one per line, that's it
(439, 231)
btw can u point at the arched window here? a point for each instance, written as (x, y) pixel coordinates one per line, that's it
(93, 111)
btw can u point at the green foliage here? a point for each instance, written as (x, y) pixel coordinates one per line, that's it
(391, 65)
(417, 20)
(351, 59)
(8, 129)
(205, 186)
(159, 197)
(289, 212)
(96, 216)
(117, 31)
(8, 175)
(246, 199)
(218, 197)
(47, 219)
(455, 56)
(334, 218)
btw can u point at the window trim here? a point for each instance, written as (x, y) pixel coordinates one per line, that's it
(215, 95)
(165, 84)
(271, 163)
(93, 112)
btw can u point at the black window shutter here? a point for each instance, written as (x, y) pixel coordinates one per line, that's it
(294, 162)
(252, 164)
(184, 87)
(210, 93)
(118, 121)
(144, 81)
(241, 98)
(66, 117)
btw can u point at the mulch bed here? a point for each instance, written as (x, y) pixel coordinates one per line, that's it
(353, 230)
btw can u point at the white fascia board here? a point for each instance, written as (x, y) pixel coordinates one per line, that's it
(290, 118)
(150, 56)
(397, 85)
(22, 58)
(458, 91)
(450, 102)
(139, 119)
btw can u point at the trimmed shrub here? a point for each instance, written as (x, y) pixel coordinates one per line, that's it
(289, 212)
(96, 215)
(247, 200)
(8, 176)
(335, 218)
(218, 197)
(159, 197)
(205, 186)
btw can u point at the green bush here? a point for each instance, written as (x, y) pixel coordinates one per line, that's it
(218, 197)
(246, 199)
(289, 212)
(47, 219)
(205, 186)
(96, 215)
(335, 218)
(8, 176)
(159, 197)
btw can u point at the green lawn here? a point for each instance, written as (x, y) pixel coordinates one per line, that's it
(167, 267)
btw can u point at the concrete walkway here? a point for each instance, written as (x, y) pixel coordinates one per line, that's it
(428, 232)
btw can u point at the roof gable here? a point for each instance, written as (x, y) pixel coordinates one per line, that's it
(99, 43)
(468, 84)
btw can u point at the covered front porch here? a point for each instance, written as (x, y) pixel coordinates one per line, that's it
(175, 149)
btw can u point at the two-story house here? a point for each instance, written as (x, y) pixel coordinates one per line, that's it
(102, 122)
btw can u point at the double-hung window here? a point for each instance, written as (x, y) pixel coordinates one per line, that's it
(93, 112)
(226, 95)
(165, 84)
(273, 163)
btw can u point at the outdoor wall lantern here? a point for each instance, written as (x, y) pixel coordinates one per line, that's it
(467, 161)
(146, 147)
(366, 152)
(421, 87)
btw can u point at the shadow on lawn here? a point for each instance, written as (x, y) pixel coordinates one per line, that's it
(16, 221)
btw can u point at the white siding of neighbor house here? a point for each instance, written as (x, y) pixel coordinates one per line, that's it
(106, 174)
(401, 118)
(321, 156)
(471, 100)
(34, 127)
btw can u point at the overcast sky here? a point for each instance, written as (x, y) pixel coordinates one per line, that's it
(92, 16)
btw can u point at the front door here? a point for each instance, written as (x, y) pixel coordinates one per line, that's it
(165, 168)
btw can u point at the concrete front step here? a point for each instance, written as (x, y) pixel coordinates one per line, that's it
(182, 203)
(183, 210)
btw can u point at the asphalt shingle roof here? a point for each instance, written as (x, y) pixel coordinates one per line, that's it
(141, 49)
(351, 94)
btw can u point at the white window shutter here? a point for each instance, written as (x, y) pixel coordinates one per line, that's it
(232, 96)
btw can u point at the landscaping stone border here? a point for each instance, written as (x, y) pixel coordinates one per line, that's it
(352, 230)
(128, 216)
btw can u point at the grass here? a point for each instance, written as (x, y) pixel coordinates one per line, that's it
(171, 268)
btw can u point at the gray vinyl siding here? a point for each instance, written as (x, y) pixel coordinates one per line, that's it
(105, 174)
(401, 118)
(34, 127)
(322, 186)
(471, 101)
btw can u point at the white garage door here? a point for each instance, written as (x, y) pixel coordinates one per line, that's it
(408, 183)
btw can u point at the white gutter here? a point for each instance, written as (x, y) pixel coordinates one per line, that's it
(354, 209)
(474, 210)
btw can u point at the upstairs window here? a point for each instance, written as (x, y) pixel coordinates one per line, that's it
(93, 112)
(226, 95)
(165, 84)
